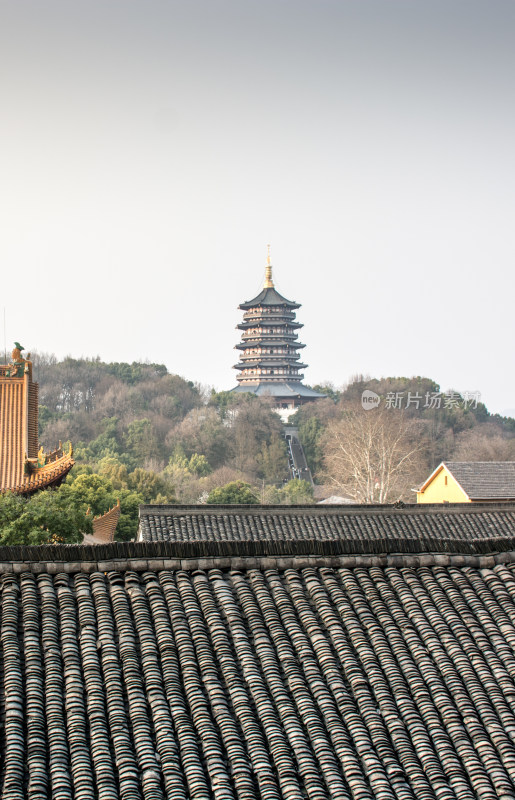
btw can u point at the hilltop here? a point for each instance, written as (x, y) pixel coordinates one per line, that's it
(141, 434)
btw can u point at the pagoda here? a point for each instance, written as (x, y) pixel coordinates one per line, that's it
(269, 351)
(24, 466)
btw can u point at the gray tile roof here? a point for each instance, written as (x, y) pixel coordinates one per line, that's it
(267, 388)
(366, 684)
(348, 528)
(485, 480)
(269, 296)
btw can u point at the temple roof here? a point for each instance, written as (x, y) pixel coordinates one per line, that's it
(285, 390)
(353, 528)
(57, 466)
(482, 480)
(131, 670)
(104, 526)
(269, 297)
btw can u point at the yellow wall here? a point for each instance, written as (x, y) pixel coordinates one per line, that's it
(438, 492)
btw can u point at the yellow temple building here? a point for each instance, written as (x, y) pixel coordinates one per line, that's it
(469, 482)
(24, 466)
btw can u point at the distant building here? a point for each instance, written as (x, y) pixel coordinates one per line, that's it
(24, 466)
(269, 359)
(335, 500)
(469, 482)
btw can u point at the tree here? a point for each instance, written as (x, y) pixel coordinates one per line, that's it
(297, 492)
(199, 465)
(45, 517)
(89, 491)
(273, 460)
(484, 443)
(113, 469)
(96, 493)
(329, 390)
(310, 432)
(129, 518)
(223, 401)
(374, 456)
(150, 485)
(254, 424)
(201, 431)
(140, 440)
(106, 443)
(232, 493)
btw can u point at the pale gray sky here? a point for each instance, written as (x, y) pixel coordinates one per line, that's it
(151, 150)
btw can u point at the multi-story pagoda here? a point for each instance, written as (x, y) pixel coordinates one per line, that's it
(269, 358)
(24, 466)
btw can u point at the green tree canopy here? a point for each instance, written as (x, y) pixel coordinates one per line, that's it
(150, 485)
(42, 518)
(297, 492)
(97, 493)
(140, 440)
(233, 493)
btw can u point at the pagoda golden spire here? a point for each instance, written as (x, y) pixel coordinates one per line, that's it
(268, 272)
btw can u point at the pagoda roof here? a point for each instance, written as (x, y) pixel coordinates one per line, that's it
(279, 389)
(269, 323)
(269, 296)
(276, 343)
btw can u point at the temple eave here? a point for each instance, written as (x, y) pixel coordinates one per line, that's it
(45, 477)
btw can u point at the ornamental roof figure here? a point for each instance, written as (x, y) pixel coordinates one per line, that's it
(24, 466)
(269, 359)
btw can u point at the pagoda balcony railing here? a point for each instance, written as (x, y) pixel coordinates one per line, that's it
(269, 345)
(261, 356)
(281, 324)
(277, 373)
(250, 378)
(276, 333)
(292, 362)
(254, 313)
(266, 362)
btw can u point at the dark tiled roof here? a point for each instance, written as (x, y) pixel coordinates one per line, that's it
(485, 480)
(350, 527)
(291, 389)
(366, 683)
(269, 296)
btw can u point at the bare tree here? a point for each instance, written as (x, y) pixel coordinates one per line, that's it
(374, 456)
(484, 443)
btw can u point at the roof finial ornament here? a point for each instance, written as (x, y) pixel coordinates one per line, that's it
(268, 272)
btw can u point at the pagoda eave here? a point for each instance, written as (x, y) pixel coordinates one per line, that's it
(246, 344)
(268, 323)
(270, 365)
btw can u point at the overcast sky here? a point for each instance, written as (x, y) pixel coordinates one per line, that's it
(151, 150)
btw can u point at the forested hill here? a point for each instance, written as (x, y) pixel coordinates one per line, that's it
(145, 435)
